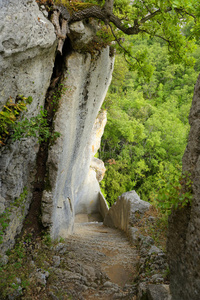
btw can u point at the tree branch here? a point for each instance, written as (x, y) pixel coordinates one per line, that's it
(100, 13)
(118, 41)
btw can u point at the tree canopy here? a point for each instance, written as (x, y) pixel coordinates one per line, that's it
(164, 19)
(146, 133)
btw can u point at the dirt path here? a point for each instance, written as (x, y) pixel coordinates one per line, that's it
(100, 264)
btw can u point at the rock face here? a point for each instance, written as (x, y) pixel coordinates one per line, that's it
(27, 51)
(184, 229)
(27, 60)
(74, 187)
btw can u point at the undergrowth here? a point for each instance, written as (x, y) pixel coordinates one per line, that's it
(154, 224)
(5, 216)
(14, 125)
(27, 257)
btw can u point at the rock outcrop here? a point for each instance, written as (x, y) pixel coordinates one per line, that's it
(74, 187)
(184, 229)
(27, 52)
(28, 63)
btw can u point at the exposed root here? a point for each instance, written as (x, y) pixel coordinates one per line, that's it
(60, 20)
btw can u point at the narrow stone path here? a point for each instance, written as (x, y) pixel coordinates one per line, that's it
(100, 263)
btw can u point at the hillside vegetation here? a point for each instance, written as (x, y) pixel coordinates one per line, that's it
(147, 129)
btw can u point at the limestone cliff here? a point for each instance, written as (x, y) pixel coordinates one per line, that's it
(74, 188)
(184, 230)
(28, 64)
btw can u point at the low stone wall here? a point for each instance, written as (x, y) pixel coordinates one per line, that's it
(103, 206)
(122, 214)
(125, 214)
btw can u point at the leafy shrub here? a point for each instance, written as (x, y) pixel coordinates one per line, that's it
(10, 114)
(175, 192)
(36, 127)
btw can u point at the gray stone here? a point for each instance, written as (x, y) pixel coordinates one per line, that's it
(18, 280)
(108, 284)
(103, 207)
(44, 11)
(15, 294)
(2, 204)
(3, 260)
(158, 292)
(41, 276)
(133, 235)
(142, 291)
(157, 278)
(154, 250)
(61, 248)
(56, 261)
(52, 296)
(118, 296)
(81, 35)
(89, 272)
(94, 285)
(147, 241)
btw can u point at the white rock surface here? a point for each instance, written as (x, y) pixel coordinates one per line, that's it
(75, 188)
(27, 46)
(79, 35)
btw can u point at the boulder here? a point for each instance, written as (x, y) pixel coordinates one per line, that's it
(158, 292)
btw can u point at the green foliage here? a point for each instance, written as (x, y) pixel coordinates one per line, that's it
(104, 36)
(74, 6)
(15, 125)
(10, 114)
(162, 19)
(147, 128)
(19, 274)
(35, 127)
(9, 273)
(5, 216)
(175, 191)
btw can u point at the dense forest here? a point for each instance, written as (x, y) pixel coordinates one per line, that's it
(147, 129)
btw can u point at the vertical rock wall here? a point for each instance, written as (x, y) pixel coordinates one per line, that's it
(27, 57)
(27, 52)
(184, 225)
(73, 185)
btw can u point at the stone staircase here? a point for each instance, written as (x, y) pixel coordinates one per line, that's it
(100, 262)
